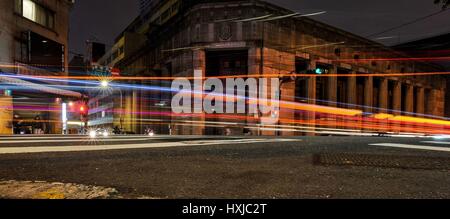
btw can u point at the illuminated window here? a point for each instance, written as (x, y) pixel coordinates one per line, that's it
(29, 10)
(36, 13)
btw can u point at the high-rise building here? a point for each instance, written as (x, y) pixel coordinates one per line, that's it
(33, 42)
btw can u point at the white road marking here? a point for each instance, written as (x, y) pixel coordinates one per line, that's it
(408, 146)
(46, 149)
(66, 137)
(77, 140)
(436, 142)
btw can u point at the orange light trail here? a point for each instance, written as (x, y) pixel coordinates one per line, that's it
(247, 76)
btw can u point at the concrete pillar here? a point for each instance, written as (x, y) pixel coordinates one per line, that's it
(332, 87)
(368, 94)
(420, 103)
(409, 104)
(6, 115)
(409, 98)
(351, 90)
(332, 95)
(383, 94)
(199, 58)
(397, 106)
(436, 102)
(351, 98)
(287, 94)
(287, 90)
(312, 83)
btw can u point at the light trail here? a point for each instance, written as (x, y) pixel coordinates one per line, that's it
(284, 104)
(82, 79)
(333, 111)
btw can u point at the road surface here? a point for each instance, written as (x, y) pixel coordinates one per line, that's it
(235, 167)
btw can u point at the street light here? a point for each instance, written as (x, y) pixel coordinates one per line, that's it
(105, 84)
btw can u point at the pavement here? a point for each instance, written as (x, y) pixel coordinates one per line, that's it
(164, 167)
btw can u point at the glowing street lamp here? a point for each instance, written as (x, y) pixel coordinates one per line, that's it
(104, 84)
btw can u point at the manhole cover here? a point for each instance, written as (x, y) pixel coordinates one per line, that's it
(387, 161)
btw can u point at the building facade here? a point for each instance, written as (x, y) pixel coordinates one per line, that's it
(33, 42)
(434, 49)
(105, 103)
(223, 38)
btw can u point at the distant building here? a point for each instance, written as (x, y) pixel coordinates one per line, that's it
(220, 38)
(34, 42)
(435, 50)
(105, 102)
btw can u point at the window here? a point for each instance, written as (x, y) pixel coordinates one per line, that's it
(18, 6)
(36, 13)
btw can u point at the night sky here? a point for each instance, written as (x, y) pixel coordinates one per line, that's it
(103, 20)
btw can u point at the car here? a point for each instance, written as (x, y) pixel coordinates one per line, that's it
(99, 133)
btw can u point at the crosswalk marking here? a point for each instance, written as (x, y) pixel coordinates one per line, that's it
(410, 146)
(436, 142)
(76, 140)
(46, 149)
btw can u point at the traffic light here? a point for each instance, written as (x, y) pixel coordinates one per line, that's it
(8, 93)
(318, 71)
(83, 109)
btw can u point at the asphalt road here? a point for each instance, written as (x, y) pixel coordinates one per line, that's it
(235, 167)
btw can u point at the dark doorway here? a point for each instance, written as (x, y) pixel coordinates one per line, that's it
(322, 85)
(301, 91)
(301, 86)
(226, 62)
(376, 93)
(342, 89)
(360, 91)
(391, 90)
(404, 97)
(223, 63)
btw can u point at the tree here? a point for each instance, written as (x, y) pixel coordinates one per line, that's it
(444, 3)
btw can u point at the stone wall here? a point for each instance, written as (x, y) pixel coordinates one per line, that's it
(183, 42)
